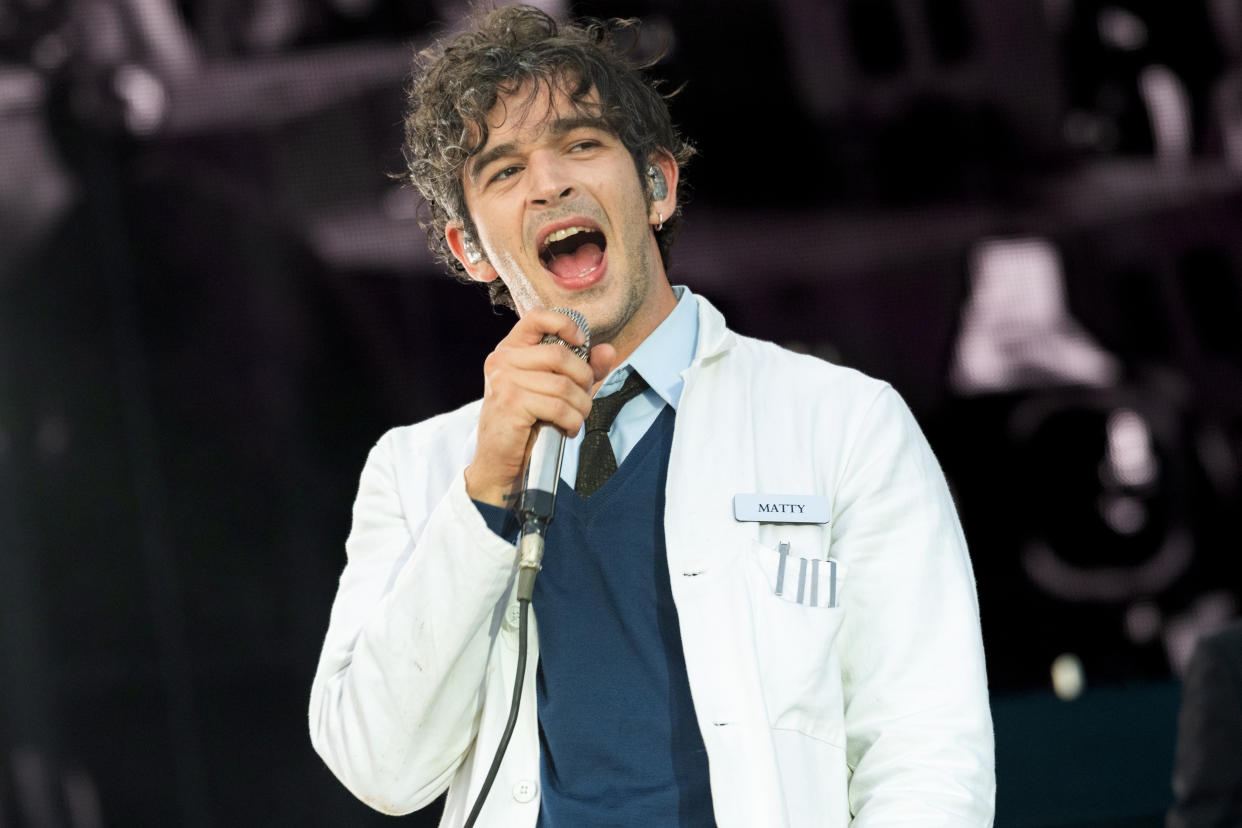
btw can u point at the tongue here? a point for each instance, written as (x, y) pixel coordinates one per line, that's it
(572, 265)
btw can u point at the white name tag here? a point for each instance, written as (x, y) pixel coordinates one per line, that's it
(768, 508)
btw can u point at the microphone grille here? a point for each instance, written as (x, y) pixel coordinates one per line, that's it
(582, 351)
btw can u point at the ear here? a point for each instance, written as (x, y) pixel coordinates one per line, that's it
(468, 251)
(663, 161)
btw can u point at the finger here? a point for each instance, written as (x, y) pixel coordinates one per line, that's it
(537, 323)
(512, 386)
(555, 359)
(544, 408)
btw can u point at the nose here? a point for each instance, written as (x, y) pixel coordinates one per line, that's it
(549, 183)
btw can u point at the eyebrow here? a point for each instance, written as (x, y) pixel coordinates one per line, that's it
(559, 127)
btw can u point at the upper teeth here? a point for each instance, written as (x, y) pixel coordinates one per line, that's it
(564, 233)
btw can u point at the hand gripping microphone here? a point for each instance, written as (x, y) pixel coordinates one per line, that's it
(538, 497)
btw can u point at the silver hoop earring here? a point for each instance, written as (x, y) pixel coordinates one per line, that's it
(660, 226)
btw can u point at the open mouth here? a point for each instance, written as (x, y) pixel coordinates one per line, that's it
(573, 252)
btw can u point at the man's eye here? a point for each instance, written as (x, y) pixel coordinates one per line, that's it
(584, 145)
(505, 173)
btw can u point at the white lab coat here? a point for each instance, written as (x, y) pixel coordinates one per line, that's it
(870, 713)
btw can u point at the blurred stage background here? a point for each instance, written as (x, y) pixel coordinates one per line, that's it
(213, 299)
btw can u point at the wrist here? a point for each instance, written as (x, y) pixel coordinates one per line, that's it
(491, 492)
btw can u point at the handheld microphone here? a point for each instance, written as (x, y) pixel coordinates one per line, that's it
(538, 498)
(534, 509)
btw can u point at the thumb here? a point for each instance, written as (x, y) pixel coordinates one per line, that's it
(603, 357)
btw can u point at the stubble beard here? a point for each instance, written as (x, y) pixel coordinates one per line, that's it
(637, 287)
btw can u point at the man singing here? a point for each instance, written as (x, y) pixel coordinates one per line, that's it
(756, 606)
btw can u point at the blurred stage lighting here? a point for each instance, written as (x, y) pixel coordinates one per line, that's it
(1068, 679)
(1017, 332)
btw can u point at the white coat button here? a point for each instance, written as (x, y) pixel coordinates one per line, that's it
(525, 790)
(513, 615)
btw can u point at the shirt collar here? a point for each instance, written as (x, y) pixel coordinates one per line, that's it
(664, 354)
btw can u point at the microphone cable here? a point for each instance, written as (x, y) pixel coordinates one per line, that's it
(523, 616)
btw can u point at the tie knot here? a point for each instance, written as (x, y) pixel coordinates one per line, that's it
(605, 409)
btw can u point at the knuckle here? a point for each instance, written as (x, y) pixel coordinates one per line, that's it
(494, 360)
(586, 376)
(507, 394)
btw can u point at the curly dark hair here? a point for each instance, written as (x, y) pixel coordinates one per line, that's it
(456, 83)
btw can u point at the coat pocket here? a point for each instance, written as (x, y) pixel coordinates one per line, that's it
(796, 604)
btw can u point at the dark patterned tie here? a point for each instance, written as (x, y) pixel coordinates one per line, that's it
(596, 462)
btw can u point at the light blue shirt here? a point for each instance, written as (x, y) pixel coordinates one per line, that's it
(659, 360)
